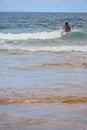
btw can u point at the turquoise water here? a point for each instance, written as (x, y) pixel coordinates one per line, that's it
(43, 71)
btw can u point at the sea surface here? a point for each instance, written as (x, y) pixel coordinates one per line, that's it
(43, 71)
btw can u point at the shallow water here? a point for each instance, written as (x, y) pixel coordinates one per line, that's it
(43, 91)
(43, 116)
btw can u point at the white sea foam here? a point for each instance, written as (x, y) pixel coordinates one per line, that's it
(27, 36)
(45, 48)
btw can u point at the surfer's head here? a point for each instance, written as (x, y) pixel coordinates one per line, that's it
(66, 23)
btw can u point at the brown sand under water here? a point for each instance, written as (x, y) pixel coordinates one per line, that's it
(42, 121)
(55, 99)
(64, 64)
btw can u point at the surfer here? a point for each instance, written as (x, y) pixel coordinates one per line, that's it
(66, 27)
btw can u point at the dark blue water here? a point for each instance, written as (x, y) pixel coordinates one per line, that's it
(41, 21)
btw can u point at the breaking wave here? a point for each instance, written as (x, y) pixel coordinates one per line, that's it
(31, 36)
(75, 34)
(54, 40)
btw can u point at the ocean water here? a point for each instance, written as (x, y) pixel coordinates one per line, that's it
(43, 71)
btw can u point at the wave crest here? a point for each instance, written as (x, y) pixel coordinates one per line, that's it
(31, 36)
